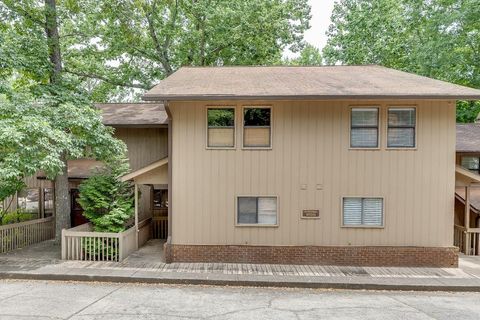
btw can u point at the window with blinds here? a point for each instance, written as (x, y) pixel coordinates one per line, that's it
(363, 212)
(401, 128)
(257, 210)
(364, 128)
(257, 127)
(221, 127)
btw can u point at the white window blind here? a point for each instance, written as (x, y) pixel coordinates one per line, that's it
(362, 211)
(364, 128)
(257, 210)
(401, 127)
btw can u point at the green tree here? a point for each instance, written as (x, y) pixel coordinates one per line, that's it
(122, 47)
(107, 201)
(438, 39)
(45, 119)
(309, 56)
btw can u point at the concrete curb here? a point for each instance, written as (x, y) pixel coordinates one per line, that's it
(240, 283)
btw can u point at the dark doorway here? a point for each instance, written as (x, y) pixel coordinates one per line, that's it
(76, 214)
(160, 213)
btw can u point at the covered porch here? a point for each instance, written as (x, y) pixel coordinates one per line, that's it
(149, 225)
(467, 214)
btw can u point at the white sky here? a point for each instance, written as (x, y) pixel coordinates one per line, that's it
(321, 12)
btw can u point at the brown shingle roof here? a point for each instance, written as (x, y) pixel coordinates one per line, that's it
(327, 82)
(133, 114)
(468, 137)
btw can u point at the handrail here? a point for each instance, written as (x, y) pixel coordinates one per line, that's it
(25, 223)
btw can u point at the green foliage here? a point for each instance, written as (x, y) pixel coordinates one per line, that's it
(33, 137)
(438, 39)
(139, 42)
(107, 201)
(15, 216)
(309, 56)
(221, 117)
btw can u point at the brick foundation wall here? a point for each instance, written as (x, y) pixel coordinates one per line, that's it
(345, 255)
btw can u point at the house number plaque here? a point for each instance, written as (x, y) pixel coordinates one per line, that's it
(311, 214)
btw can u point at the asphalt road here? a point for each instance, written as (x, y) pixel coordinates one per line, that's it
(74, 300)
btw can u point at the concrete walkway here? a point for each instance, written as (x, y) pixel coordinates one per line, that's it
(42, 262)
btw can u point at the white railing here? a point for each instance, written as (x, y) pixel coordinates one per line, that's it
(19, 235)
(81, 243)
(468, 241)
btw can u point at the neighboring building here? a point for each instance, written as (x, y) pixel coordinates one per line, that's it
(351, 165)
(468, 156)
(143, 127)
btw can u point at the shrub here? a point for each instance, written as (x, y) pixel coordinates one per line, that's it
(107, 201)
(15, 216)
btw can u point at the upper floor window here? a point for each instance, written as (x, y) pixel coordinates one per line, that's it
(221, 127)
(364, 128)
(401, 128)
(257, 129)
(362, 212)
(471, 163)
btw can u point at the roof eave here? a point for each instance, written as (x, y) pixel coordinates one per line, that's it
(162, 97)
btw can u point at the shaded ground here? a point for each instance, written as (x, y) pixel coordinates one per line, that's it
(73, 300)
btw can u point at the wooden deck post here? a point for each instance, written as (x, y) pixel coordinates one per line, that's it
(136, 216)
(467, 219)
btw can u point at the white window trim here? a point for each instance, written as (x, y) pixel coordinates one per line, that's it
(256, 225)
(243, 128)
(400, 107)
(379, 129)
(362, 226)
(234, 126)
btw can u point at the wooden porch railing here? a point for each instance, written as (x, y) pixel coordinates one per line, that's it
(81, 243)
(468, 241)
(19, 235)
(160, 227)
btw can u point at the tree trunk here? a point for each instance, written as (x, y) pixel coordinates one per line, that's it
(62, 201)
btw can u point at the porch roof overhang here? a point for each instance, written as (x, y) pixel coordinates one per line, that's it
(154, 173)
(464, 177)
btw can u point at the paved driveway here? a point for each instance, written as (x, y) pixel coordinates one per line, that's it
(71, 300)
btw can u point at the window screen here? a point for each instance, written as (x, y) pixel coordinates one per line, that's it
(221, 127)
(401, 127)
(257, 127)
(362, 211)
(471, 163)
(28, 200)
(257, 210)
(364, 128)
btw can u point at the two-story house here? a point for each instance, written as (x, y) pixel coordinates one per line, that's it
(350, 165)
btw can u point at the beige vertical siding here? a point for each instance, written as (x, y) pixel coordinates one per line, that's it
(145, 145)
(311, 147)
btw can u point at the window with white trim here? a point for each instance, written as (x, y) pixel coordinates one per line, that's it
(221, 127)
(401, 128)
(28, 201)
(362, 212)
(364, 128)
(257, 129)
(257, 210)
